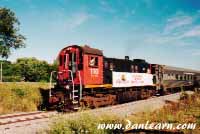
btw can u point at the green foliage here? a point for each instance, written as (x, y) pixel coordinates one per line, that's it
(9, 33)
(19, 92)
(32, 69)
(186, 111)
(84, 124)
(20, 97)
(27, 69)
(11, 78)
(184, 95)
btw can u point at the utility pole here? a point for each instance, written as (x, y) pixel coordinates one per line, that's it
(1, 80)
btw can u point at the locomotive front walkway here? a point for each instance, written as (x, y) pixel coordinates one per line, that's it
(123, 110)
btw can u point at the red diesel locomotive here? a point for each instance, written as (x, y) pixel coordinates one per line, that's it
(85, 78)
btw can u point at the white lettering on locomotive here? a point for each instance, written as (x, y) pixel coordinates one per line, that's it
(94, 71)
(124, 79)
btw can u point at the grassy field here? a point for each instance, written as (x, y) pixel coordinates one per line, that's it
(85, 124)
(187, 110)
(20, 96)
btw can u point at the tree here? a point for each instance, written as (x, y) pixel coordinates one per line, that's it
(8, 68)
(10, 38)
(9, 72)
(32, 69)
(28, 69)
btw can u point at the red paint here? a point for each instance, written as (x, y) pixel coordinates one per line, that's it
(93, 75)
(89, 74)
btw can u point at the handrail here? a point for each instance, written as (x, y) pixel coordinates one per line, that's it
(50, 83)
(72, 83)
(79, 74)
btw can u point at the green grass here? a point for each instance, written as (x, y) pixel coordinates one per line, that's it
(84, 124)
(186, 111)
(20, 96)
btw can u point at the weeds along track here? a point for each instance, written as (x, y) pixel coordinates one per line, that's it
(131, 108)
(120, 109)
(23, 117)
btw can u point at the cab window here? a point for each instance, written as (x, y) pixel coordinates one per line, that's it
(60, 60)
(93, 61)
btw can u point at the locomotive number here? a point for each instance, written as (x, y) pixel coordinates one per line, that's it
(94, 71)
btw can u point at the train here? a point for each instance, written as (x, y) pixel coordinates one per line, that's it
(87, 78)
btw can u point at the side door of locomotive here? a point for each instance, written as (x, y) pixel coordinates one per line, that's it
(93, 69)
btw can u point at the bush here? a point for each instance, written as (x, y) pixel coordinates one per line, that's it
(12, 78)
(185, 111)
(85, 124)
(20, 97)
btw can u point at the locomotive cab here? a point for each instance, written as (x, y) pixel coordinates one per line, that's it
(70, 65)
(80, 65)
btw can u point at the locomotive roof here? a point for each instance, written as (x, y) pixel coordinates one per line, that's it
(86, 49)
(89, 50)
(176, 69)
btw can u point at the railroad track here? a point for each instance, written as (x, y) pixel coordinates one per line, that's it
(31, 116)
(23, 117)
(33, 122)
(130, 108)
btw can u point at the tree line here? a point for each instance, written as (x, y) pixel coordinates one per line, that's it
(24, 69)
(28, 70)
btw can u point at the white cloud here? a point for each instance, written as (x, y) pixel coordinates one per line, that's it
(164, 40)
(182, 26)
(177, 31)
(77, 20)
(196, 52)
(105, 6)
(193, 32)
(178, 21)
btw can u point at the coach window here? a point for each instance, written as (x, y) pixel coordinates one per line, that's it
(192, 77)
(176, 76)
(93, 61)
(181, 78)
(185, 78)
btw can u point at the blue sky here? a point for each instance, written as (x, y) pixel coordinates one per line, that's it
(160, 31)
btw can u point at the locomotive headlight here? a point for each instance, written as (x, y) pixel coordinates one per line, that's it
(67, 87)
